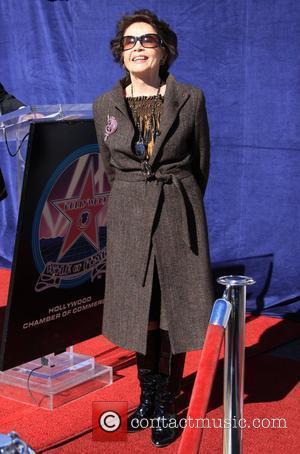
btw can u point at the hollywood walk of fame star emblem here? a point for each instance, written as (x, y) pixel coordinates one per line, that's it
(82, 213)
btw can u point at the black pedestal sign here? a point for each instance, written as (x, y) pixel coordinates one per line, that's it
(57, 282)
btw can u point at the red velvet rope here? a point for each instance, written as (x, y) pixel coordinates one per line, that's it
(191, 437)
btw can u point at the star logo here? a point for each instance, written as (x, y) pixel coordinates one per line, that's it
(82, 213)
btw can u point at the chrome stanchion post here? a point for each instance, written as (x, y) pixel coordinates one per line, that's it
(234, 361)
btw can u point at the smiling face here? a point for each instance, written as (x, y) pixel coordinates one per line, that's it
(141, 61)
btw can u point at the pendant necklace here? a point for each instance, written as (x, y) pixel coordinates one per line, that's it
(140, 146)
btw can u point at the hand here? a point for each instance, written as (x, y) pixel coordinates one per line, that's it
(31, 116)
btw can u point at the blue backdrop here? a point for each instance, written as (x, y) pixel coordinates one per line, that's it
(245, 55)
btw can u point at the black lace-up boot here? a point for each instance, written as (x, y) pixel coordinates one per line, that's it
(168, 384)
(147, 366)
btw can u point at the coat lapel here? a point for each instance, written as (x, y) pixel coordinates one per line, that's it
(119, 103)
(174, 100)
(119, 99)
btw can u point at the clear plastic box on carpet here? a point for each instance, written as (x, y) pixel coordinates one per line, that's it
(54, 380)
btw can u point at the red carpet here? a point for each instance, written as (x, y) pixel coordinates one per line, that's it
(260, 371)
(270, 392)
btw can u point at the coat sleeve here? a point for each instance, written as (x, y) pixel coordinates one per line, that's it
(201, 156)
(100, 122)
(8, 102)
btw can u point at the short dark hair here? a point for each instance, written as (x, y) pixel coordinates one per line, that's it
(168, 37)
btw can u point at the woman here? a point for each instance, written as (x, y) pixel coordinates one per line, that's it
(153, 138)
(8, 103)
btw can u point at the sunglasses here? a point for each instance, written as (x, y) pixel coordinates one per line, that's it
(149, 41)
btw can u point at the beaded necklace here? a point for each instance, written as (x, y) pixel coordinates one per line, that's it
(140, 146)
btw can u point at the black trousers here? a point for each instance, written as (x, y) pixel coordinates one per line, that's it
(3, 192)
(157, 312)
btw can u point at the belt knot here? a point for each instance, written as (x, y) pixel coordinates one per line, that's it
(151, 176)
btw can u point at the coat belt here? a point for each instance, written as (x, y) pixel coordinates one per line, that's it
(174, 176)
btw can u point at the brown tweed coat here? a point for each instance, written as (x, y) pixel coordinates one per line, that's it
(162, 216)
